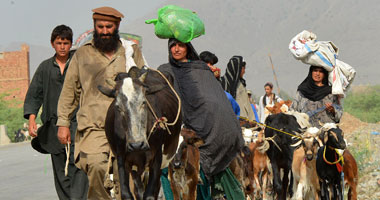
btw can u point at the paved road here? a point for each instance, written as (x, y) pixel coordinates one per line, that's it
(25, 174)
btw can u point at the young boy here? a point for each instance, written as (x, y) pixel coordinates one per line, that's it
(44, 90)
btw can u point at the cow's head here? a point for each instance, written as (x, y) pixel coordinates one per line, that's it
(190, 140)
(331, 135)
(130, 107)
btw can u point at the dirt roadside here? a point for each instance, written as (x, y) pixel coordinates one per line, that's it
(364, 142)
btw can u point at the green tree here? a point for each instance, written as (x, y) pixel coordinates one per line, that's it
(11, 115)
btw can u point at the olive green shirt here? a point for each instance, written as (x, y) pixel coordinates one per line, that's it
(89, 68)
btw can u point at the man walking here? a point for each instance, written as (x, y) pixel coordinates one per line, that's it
(44, 91)
(93, 64)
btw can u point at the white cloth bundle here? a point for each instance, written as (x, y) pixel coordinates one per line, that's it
(306, 48)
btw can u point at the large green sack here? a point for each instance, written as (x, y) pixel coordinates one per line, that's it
(177, 22)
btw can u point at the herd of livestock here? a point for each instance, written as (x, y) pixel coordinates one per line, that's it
(284, 157)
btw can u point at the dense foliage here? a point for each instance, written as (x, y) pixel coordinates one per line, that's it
(11, 115)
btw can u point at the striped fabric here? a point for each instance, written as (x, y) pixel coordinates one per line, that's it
(231, 78)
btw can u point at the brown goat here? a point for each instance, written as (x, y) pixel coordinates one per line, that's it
(304, 168)
(350, 169)
(184, 168)
(260, 159)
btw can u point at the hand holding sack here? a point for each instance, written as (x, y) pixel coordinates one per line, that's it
(176, 22)
(306, 48)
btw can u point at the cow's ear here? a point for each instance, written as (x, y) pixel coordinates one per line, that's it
(198, 142)
(193, 140)
(107, 91)
(134, 72)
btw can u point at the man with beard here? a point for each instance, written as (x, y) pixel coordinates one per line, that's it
(93, 64)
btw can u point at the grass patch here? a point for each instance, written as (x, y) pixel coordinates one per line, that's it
(363, 150)
(364, 104)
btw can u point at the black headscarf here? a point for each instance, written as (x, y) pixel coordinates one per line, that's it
(231, 78)
(310, 90)
(191, 53)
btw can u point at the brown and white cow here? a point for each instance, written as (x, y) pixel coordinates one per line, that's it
(136, 144)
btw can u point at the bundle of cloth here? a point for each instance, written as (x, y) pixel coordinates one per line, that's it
(176, 22)
(305, 47)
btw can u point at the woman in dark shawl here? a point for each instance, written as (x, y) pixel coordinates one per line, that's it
(205, 108)
(234, 83)
(233, 77)
(314, 98)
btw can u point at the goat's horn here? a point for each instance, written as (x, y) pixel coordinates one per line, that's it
(297, 134)
(296, 144)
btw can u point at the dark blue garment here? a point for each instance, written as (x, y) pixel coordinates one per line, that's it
(235, 105)
(255, 112)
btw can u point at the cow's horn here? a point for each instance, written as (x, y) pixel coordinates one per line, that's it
(133, 72)
(142, 77)
(106, 91)
(110, 82)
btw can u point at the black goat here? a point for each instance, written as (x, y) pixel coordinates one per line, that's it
(280, 152)
(329, 162)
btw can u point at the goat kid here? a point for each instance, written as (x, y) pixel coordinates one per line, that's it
(260, 160)
(306, 182)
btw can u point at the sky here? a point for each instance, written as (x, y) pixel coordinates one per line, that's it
(31, 21)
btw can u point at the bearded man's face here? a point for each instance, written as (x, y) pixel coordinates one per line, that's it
(106, 36)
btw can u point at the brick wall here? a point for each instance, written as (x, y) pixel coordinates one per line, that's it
(14, 73)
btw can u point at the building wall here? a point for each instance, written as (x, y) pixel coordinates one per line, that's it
(14, 73)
